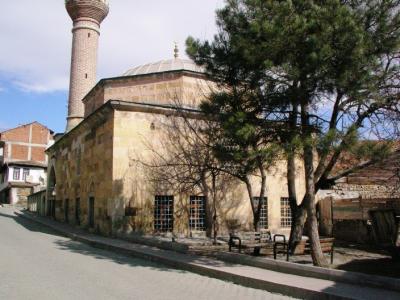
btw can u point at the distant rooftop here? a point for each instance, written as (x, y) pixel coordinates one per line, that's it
(28, 163)
(2, 130)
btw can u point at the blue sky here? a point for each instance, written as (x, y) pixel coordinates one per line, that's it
(21, 106)
(35, 54)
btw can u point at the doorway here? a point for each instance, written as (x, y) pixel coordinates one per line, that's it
(91, 212)
(78, 211)
(66, 210)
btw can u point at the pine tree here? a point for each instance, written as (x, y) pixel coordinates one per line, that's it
(321, 69)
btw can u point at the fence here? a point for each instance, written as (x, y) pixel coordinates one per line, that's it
(37, 202)
(349, 219)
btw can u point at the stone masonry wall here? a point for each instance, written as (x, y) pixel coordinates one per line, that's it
(136, 136)
(107, 158)
(168, 89)
(368, 191)
(83, 170)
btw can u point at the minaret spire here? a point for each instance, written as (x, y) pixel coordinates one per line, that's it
(87, 16)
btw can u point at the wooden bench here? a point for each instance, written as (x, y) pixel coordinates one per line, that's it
(250, 239)
(327, 246)
(303, 247)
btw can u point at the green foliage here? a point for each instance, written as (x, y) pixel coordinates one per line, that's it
(271, 56)
(238, 138)
(302, 40)
(372, 150)
(334, 139)
(309, 46)
(276, 61)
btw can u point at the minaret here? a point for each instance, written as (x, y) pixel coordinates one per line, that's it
(87, 16)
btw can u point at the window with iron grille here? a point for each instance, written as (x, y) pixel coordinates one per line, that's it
(286, 213)
(197, 213)
(263, 224)
(16, 173)
(164, 213)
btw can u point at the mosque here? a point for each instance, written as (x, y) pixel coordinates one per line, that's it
(93, 180)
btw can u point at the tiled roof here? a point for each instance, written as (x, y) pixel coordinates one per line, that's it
(28, 163)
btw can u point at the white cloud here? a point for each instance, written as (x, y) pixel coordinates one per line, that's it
(51, 85)
(35, 53)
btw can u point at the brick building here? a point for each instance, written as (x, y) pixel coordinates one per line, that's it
(23, 162)
(345, 208)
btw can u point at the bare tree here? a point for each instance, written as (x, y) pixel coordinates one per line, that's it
(182, 161)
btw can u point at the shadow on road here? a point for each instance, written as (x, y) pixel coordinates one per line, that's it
(81, 248)
(29, 225)
(66, 244)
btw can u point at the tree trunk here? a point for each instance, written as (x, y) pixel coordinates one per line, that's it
(316, 250)
(256, 216)
(309, 202)
(299, 218)
(309, 198)
(291, 181)
(214, 208)
(299, 213)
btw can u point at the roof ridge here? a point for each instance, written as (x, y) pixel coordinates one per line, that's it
(22, 125)
(165, 65)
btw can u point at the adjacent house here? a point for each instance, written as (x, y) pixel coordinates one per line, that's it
(23, 162)
(374, 179)
(346, 207)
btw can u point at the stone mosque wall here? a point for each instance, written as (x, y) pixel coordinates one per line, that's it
(162, 89)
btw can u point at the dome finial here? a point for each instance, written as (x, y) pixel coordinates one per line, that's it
(176, 50)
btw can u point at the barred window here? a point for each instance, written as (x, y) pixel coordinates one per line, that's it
(197, 213)
(164, 213)
(286, 213)
(263, 224)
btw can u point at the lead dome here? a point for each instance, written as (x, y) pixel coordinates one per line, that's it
(169, 65)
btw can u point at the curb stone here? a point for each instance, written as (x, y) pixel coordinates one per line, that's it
(313, 272)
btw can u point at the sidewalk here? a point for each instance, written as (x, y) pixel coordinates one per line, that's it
(272, 281)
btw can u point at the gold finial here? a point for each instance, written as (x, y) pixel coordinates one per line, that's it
(176, 50)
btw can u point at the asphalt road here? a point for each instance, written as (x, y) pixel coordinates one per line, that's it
(36, 263)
